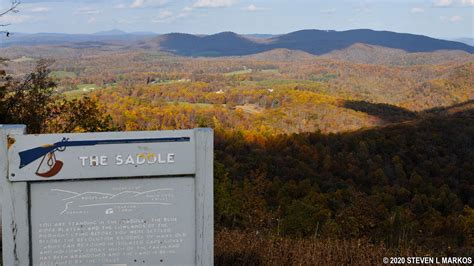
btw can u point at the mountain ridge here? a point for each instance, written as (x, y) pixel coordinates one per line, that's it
(311, 41)
(316, 42)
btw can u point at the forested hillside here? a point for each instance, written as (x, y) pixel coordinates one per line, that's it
(403, 184)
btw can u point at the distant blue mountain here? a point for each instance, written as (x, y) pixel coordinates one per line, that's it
(221, 44)
(260, 36)
(469, 41)
(315, 42)
(110, 32)
(24, 39)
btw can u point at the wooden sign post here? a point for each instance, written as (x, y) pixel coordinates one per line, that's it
(115, 199)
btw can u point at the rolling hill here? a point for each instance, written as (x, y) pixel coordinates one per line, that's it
(372, 54)
(221, 44)
(316, 42)
(369, 54)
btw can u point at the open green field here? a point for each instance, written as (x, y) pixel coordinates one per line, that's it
(250, 71)
(271, 71)
(87, 87)
(23, 59)
(238, 72)
(62, 74)
(81, 90)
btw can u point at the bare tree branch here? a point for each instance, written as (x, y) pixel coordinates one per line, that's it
(12, 9)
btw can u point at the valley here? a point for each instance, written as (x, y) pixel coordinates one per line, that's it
(281, 91)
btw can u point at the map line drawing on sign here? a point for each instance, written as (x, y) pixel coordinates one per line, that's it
(96, 199)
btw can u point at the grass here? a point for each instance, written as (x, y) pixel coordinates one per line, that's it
(74, 94)
(253, 248)
(271, 71)
(23, 59)
(62, 74)
(87, 87)
(81, 90)
(232, 247)
(239, 72)
(249, 71)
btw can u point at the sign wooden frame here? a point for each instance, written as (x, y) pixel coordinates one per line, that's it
(184, 152)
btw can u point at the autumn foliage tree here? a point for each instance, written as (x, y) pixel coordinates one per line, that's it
(35, 103)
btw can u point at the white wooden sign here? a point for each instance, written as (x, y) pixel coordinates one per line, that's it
(134, 198)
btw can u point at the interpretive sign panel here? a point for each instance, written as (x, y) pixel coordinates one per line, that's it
(137, 198)
(99, 155)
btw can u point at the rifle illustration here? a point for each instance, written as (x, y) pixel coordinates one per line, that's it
(54, 165)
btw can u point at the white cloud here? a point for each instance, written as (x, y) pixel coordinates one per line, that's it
(39, 9)
(163, 16)
(13, 19)
(328, 11)
(182, 15)
(87, 11)
(147, 3)
(213, 3)
(138, 4)
(120, 6)
(91, 20)
(450, 3)
(253, 8)
(451, 19)
(467, 2)
(363, 8)
(455, 18)
(186, 11)
(417, 10)
(443, 2)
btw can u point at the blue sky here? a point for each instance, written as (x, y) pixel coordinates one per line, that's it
(436, 18)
